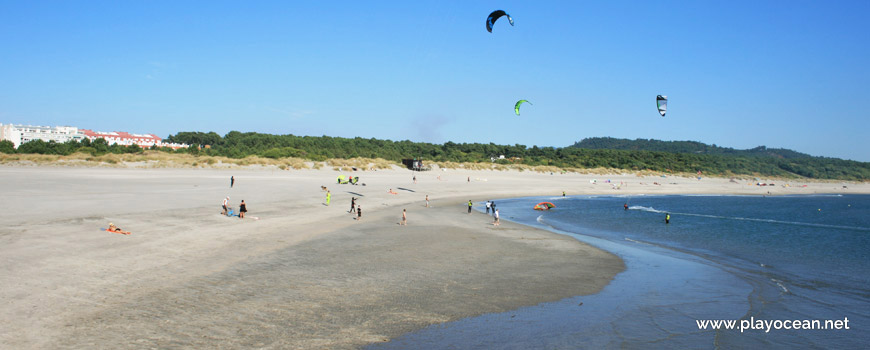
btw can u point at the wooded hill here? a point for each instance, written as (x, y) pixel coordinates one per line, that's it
(684, 147)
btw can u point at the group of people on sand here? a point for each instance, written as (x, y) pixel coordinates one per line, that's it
(226, 210)
(243, 208)
(225, 206)
(490, 205)
(355, 206)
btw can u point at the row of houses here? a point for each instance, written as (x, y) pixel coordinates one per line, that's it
(18, 134)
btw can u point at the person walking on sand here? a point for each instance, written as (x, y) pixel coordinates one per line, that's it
(232, 181)
(404, 217)
(492, 206)
(427, 201)
(328, 197)
(415, 179)
(495, 218)
(358, 212)
(469, 206)
(352, 204)
(224, 205)
(469, 179)
(242, 209)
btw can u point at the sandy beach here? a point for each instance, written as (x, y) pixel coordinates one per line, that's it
(295, 274)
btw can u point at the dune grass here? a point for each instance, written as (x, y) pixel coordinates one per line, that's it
(158, 159)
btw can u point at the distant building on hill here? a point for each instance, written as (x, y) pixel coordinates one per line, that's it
(19, 134)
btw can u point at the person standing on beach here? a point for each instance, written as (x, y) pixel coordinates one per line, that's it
(488, 204)
(469, 179)
(328, 197)
(427, 201)
(495, 218)
(492, 206)
(358, 212)
(232, 181)
(415, 179)
(469, 206)
(352, 204)
(242, 209)
(224, 205)
(404, 217)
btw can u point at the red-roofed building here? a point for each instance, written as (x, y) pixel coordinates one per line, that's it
(127, 139)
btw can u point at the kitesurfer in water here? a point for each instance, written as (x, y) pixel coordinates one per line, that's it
(625, 206)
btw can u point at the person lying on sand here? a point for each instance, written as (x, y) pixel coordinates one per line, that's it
(391, 191)
(116, 229)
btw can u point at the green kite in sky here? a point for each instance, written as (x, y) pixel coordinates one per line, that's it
(517, 106)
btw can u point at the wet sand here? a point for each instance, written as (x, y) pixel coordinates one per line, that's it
(305, 275)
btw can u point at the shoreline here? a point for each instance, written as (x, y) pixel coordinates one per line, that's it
(184, 273)
(663, 291)
(201, 265)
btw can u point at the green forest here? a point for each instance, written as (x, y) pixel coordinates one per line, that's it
(684, 147)
(683, 158)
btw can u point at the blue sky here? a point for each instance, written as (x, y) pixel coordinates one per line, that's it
(738, 74)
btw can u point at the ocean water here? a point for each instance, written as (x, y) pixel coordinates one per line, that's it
(720, 258)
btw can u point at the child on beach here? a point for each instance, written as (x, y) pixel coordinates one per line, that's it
(495, 218)
(404, 217)
(427, 201)
(358, 213)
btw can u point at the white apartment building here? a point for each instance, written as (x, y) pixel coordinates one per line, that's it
(19, 134)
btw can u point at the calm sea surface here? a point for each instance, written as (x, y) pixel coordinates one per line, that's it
(720, 257)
